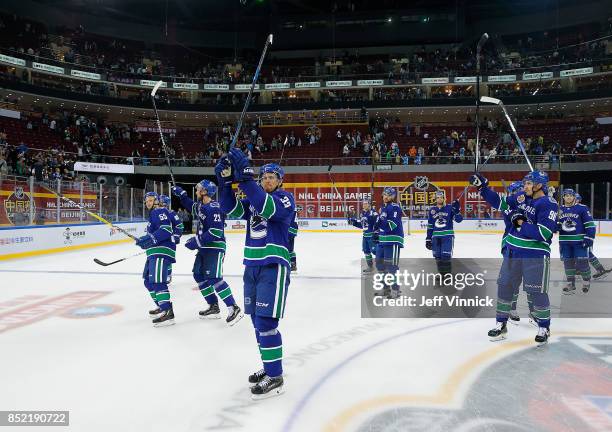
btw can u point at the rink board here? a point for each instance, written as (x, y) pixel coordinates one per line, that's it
(21, 242)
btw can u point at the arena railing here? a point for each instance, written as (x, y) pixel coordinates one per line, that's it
(31, 202)
(306, 73)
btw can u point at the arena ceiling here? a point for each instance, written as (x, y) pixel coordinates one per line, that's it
(217, 14)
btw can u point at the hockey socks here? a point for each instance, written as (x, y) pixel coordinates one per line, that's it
(270, 345)
(209, 287)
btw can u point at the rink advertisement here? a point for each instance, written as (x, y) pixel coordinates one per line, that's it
(470, 288)
(30, 241)
(335, 196)
(18, 205)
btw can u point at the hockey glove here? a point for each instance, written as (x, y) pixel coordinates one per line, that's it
(223, 171)
(191, 244)
(146, 241)
(587, 242)
(456, 206)
(178, 191)
(517, 219)
(428, 244)
(241, 165)
(375, 238)
(478, 180)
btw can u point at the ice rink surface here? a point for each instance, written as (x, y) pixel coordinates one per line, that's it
(76, 336)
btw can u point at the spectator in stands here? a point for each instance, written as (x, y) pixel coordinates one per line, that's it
(3, 165)
(412, 152)
(606, 140)
(345, 150)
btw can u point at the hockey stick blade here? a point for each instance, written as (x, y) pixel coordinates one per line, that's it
(102, 263)
(487, 99)
(156, 87)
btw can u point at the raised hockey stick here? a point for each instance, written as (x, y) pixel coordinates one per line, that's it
(280, 162)
(102, 263)
(498, 102)
(250, 95)
(337, 191)
(481, 42)
(159, 128)
(92, 214)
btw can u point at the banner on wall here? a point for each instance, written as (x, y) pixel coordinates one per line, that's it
(245, 87)
(12, 60)
(151, 83)
(465, 79)
(216, 86)
(439, 80)
(104, 167)
(87, 75)
(15, 202)
(537, 76)
(501, 78)
(574, 72)
(308, 84)
(48, 68)
(151, 126)
(185, 86)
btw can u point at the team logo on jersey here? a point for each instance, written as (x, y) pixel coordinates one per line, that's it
(259, 226)
(520, 198)
(568, 225)
(440, 222)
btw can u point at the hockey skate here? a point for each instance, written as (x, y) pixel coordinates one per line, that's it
(293, 267)
(267, 387)
(386, 292)
(542, 336)
(586, 286)
(499, 332)
(212, 312)
(155, 312)
(569, 289)
(601, 274)
(394, 293)
(235, 315)
(368, 270)
(255, 377)
(514, 318)
(165, 319)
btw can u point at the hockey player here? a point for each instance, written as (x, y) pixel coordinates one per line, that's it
(268, 211)
(440, 235)
(177, 223)
(366, 222)
(528, 243)
(161, 252)
(513, 189)
(390, 238)
(576, 235)
(209, 241)
(177, 228)
(601, 270)
(293, 232)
